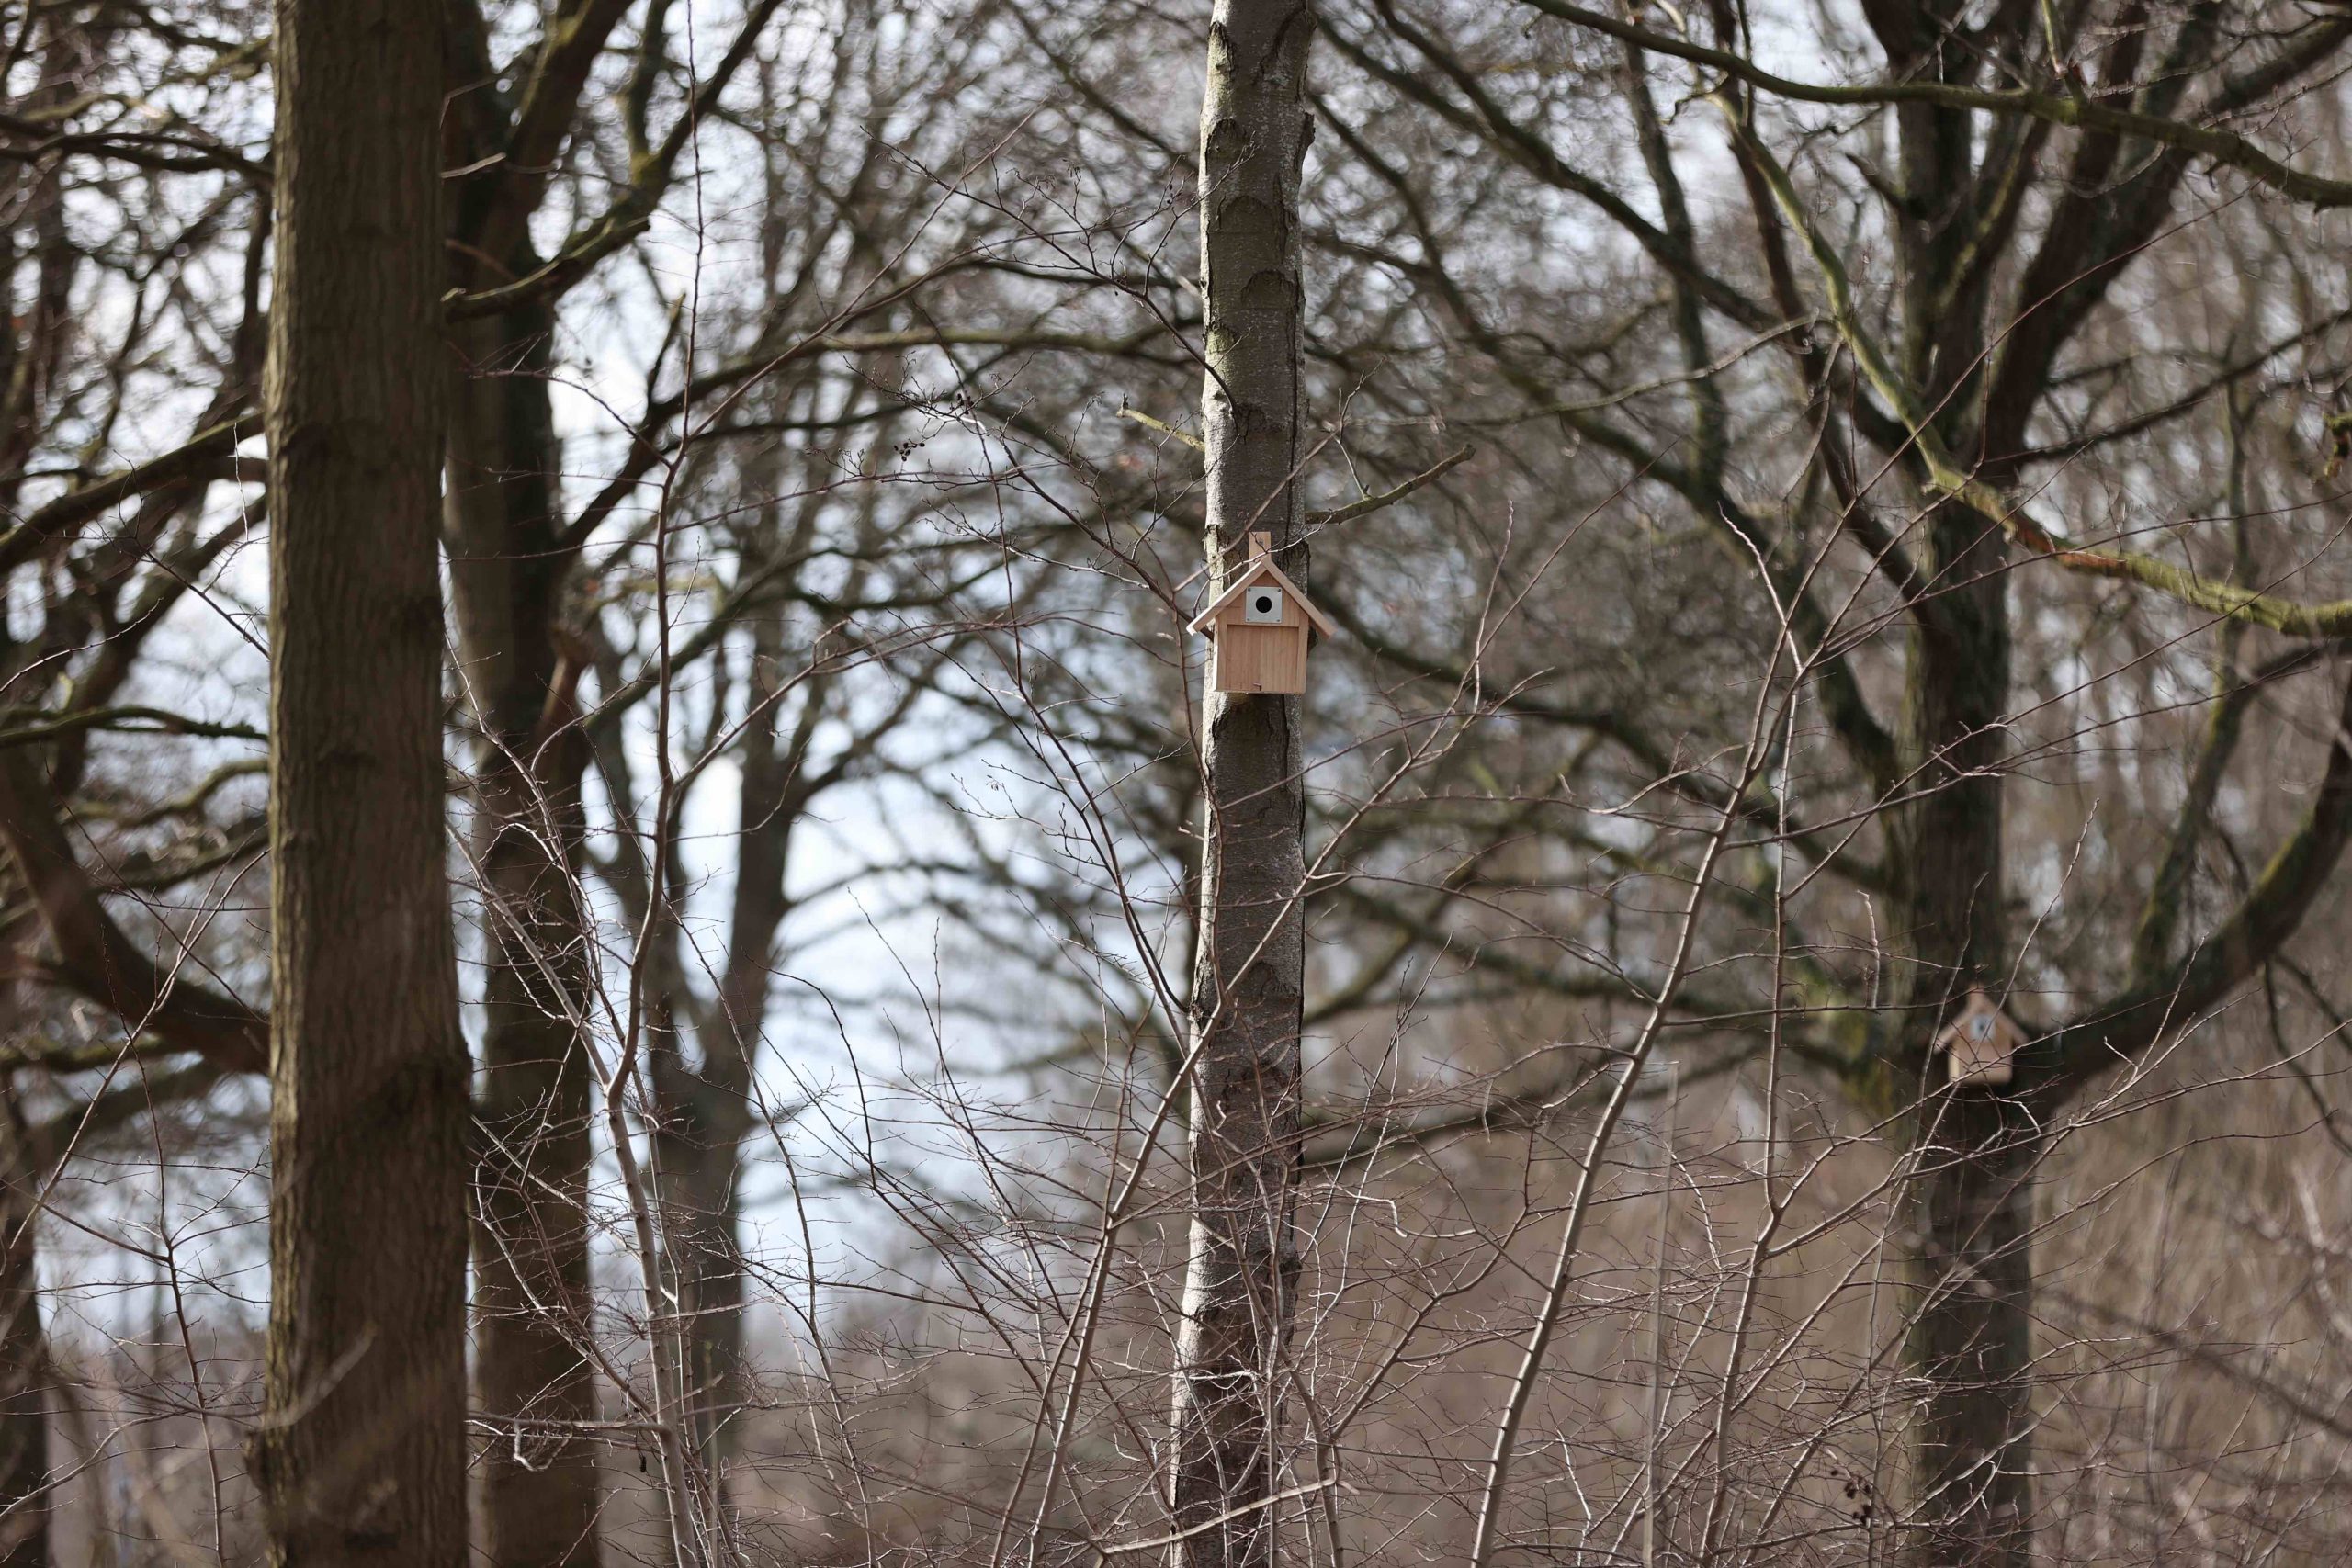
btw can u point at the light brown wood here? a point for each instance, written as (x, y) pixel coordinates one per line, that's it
(1259, 659)
(1253, 657)
(1248, 656)
(1979, 1043)
(1262, 569)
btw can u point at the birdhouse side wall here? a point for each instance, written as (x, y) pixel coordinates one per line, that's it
(1248, 657)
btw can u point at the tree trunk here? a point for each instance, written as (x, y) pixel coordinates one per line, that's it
(32, 346)
(1973, 1275)
(361, 1453)
(700, 1147)
(1249, 977)
(508, 573)
(712, 1111)
(1971, 1197)
(24, 1352)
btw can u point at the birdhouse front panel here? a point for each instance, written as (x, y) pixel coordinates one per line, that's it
(1978, 1056)
(1252, 658)
(1261, 604)
(1980, 1044)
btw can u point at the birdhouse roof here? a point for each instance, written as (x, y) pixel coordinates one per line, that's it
(2007, 1035)
(1260, 567)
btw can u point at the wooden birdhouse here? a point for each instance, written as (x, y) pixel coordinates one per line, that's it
(1979, 1043)
(1258, 628)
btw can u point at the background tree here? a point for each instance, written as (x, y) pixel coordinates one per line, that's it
(1956, 380)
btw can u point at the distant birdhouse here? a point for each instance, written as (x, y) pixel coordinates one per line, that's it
(1979, 1043)
(1258, 628)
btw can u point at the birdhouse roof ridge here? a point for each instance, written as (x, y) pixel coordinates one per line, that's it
(1259, 567)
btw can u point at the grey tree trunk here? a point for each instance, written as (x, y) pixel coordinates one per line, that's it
(1247, 980)
(700, 1146)
(721, 1107)
(708, 1113)
(361, 1449)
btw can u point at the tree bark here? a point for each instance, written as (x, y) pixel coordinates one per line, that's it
(1971, 1338)
(24, 1350)
(1970, 1198)
(361, 1451)
(1971, 1193)
(1249, 976)
(508, 573)
(700, 1146)
(511, 568)
(31, 348)
(703, 1161)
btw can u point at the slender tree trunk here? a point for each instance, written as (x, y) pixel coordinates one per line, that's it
(700, 1147)
(23, 1360)
(1249, 977)
(703, 1159)
(1972, 1196)
(30, 348)
(510, 569)
(508, 572)
(361, 1453)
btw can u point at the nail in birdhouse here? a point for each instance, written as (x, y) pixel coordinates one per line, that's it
(1258, 628)
(1979, 1041)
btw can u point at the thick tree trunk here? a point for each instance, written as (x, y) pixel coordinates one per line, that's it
(23, 1360)
(361, 1451)
(1970, 1196)
(1971, 1340)
(508, 572)
(30, 348)
(1249, 976)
